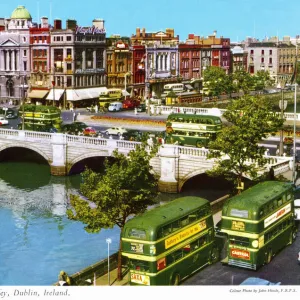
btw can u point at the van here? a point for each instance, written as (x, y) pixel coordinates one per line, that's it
(297, 209)
(115, 106)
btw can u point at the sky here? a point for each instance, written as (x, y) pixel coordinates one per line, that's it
(236, 19)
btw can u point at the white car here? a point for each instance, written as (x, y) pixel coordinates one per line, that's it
(115, 131)
(3, 121)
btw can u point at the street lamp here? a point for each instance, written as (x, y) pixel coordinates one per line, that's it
(126, 74)
(23, 104)
(108, 241)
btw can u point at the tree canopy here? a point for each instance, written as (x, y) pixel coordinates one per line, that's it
(216, 81)
(236, 149)
(126, 188)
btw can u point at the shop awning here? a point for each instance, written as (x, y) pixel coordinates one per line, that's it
(37, 94)
(57, 94)
(95, 92)
(189, 87)
(76, 95)
(125, 93)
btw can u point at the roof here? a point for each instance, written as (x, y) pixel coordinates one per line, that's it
(262, 44)
(20, 13)
(194, 116)
(255, 197)
(165, 213)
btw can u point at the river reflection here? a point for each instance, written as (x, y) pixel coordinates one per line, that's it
(37, 239)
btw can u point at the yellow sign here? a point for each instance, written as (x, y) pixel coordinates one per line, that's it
(141, 279)
(238, 225)
(184, 234)
(31, 114)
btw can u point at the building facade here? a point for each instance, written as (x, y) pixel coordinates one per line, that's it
(238, 59)
(40, 80)
(161, 61)
(138, 70)
(15, 56)
(119, 62)
(78, 61)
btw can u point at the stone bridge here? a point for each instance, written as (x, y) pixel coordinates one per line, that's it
(173, 165)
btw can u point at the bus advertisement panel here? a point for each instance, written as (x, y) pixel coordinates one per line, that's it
(258, 223)
(170, 242)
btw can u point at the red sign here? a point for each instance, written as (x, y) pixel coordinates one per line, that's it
(237, 253)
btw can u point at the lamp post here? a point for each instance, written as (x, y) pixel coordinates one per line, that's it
(126, 74)
(295, 110)
(108, 241)
(282, 106)
(53, 84)
(23, 104)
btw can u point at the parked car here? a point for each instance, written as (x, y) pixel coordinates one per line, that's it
(115, 131)
(141, 108)
(90, 131)
(258, 281)
(3, 121)
(73, 128)
(115, 106)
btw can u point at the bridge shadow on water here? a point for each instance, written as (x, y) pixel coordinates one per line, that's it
(210, 188)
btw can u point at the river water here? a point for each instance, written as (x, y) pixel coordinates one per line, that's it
(37, 239)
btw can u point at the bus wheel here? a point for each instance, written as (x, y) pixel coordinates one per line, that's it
(215, 255)
(176, 279)
(292, 237)
(269, 256)
(199, 144)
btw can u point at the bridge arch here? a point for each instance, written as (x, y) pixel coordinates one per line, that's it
(85, 156)
(30, 147)
(190, 175)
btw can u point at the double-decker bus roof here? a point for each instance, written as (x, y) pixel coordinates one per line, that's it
(255, 197)
(189, 116)
(166, 213)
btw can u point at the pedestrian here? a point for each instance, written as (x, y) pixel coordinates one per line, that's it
(96, 108)
(271, 173)
(74, 116)
(71, 107)
(135, 111)
(277, 152)
(64, 279)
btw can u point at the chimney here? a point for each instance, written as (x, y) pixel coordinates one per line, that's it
(44, 22)
(215, 32)
(71, 24)
(57, 24)
(143, 32)
(98, 23)
(138, 32)
(191, 36)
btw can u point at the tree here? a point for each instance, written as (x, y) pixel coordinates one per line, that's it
(242, 81)
(261, 80)
(126, 188)
(215, 80)
(236, 148)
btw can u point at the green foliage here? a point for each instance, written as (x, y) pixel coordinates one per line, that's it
(126, 188)
(215, 80)
(40, 108)
(236, 148)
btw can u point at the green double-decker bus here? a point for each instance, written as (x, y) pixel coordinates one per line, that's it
(192, 130)
(40, 117)
(258, 223)
(169, 243)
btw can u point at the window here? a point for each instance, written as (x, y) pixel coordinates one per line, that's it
(25, 65)
(24, 53)
(138, 233)
(270, 60)
(252, 51)
(270, 52)
(69, 38)
(262, 60)
(262, 52)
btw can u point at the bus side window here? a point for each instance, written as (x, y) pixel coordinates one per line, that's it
(192, 218)
(177, 254)
(279, 202)
(184, 221)
(194, 245)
